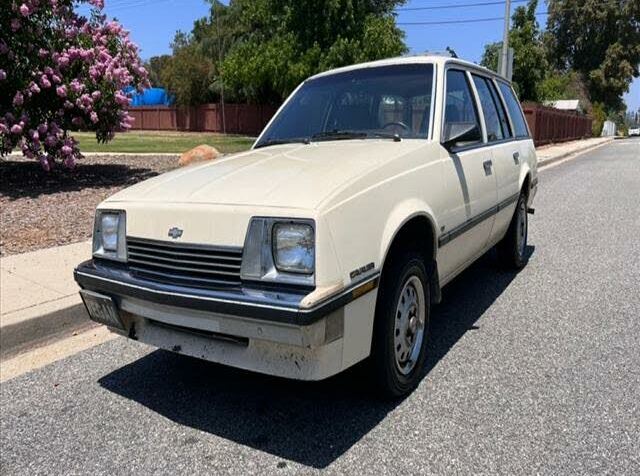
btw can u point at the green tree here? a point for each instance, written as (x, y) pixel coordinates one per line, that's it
(278, 43)
(529, 63)
(564, 85)
(600, 40)
(187, 74)
(155, 65)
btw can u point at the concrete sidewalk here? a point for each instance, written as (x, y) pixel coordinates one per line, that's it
(551, 153)
(39, 299)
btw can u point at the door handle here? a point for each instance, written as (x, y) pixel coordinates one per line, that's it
(487, 164)
(516, 157)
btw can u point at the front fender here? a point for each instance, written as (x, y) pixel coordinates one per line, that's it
(401, 214)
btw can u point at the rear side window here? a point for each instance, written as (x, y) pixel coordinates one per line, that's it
(502, 114)
(460, 106)
(495, 130)
(513, 106)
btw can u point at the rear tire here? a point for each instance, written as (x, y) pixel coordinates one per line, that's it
(512, 249)
(401, 326)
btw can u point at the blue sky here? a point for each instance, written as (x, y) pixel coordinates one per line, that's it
(153, 23)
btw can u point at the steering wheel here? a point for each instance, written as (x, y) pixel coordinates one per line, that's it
(398, 123)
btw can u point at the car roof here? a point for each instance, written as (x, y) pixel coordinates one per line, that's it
(417, 59)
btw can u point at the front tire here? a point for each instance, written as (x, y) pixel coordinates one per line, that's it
(401, 326)
(512, 249)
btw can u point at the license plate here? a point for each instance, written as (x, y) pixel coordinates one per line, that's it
(101, 309)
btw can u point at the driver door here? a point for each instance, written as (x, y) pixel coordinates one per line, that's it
(470, 184)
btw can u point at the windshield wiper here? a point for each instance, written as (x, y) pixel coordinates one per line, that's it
(386, 135)
(291, 140)
(338, 135)
(349, 134)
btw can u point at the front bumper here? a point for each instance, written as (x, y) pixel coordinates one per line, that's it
(267, 305)
(259, 330)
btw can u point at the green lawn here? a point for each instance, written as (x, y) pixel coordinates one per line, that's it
(162, 142)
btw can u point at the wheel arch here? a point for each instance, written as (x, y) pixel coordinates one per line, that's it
(417, 231)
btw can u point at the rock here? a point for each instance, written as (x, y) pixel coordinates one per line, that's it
(197, 154)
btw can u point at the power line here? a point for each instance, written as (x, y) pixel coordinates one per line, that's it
(468, 20)
(461, 5)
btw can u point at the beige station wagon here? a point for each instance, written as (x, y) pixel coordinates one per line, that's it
(329, 241)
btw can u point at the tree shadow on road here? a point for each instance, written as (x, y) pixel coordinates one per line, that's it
(310, 423)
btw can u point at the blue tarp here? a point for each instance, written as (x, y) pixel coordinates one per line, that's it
(149, 97)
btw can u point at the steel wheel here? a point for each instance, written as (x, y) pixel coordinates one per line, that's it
(409, 325)
(522, 228)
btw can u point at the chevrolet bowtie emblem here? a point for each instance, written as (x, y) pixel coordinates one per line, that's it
(175, 233)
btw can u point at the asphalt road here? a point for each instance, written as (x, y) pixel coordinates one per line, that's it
(537, 372)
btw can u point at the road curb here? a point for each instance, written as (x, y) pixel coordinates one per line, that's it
(564, 155)
(43, 328)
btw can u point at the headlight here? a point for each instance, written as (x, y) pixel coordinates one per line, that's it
(293, 247)
(280, 250)
(109, 235)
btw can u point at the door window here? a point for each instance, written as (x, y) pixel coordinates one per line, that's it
(513, 106)
(460, 108)
(495, 129)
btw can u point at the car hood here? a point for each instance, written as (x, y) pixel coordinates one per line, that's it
(290, 176)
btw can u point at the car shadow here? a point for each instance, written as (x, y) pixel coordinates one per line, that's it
(311, 423)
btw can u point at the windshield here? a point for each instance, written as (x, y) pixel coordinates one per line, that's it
(389, 101)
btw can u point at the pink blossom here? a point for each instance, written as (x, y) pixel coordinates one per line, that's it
(18, 99)
(51, 140)
(104, 62)
(76, 86)
(45, 163)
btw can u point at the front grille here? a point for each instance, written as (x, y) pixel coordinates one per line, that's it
(184, 264)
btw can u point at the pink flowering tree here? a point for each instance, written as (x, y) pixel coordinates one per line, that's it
(61, 72)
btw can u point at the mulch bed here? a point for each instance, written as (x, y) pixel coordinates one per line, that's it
(40, 209)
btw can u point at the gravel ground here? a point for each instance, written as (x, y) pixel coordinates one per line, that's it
(40, 210)
(529, 373)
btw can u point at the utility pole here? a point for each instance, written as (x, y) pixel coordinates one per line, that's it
(224, 121)
(505, 40)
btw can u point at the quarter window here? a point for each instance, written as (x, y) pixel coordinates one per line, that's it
(460, 108)
(495, 130)
(513, 106)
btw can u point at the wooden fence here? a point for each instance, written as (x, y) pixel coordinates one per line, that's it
(247, 119)
(548, 124)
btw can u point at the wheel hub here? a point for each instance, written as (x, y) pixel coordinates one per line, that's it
(409, 324)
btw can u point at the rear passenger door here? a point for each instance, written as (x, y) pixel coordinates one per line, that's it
(504, 150)
(469, 181)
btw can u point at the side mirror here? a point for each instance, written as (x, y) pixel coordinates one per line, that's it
(460, 132)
